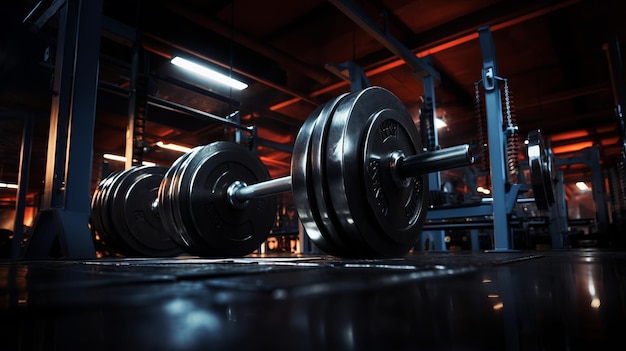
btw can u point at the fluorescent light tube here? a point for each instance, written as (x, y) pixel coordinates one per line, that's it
(8, 185)
(208, 73)
(439, 123)
(174, 147)
(123, 159)
(582, 186)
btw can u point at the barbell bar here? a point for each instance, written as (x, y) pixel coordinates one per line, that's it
(405, 167)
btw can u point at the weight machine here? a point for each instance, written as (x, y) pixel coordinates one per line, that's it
(501, 159)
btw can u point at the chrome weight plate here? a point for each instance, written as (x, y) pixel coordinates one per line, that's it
(322, 192)
(106, 213)
(310, 196)
(136, 221)
(169, 209)
(541, 171)
(398, 205)
(358, 134)
(206, 216)
(97, 219)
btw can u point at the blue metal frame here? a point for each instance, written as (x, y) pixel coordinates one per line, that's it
(351, 72)
(497, 139)
(503, 202)
(62, 227)
(591, 158)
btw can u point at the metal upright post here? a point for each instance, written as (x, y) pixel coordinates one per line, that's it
(497, 152)
(591, 158)
(619, 88)
(434, 178)
(20, 203)
(558, 225)
(62, 227)
(436, 237)
(133, 115)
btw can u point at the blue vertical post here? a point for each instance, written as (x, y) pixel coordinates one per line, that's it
(558, 225)
(599, 191)
(60, 108)
(497, 141)
(83, 112)
(434, 179)
(62, 227)
(129, 149)
(436, 237)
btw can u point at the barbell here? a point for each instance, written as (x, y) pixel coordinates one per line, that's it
(358, 176)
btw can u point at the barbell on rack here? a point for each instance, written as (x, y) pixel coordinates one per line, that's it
(358, 175)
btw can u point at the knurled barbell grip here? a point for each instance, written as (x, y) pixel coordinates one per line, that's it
(434, 161)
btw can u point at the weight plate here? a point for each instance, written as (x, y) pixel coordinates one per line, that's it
(359, 133)
(541, 170)
(97, 217)
(194, 242)
(202, 204)
(106, 199)
(309, 196)
(327, 216)
(167, 196)
(136, 221)
(397, 204)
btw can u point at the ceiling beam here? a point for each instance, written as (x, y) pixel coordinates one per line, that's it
(284, 60)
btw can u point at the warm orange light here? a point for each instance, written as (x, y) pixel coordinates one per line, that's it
(572, 147)
(569, 135)
(329, 88)
(447, 45)
(610, 141)
(273, 162)
(284, 104)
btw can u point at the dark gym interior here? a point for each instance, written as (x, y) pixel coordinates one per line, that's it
(379, 175)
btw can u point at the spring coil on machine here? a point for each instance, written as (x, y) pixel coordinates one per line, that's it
(482, 130)
(512, 142)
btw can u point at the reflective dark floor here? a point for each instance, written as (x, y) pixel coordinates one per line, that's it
(539, 300)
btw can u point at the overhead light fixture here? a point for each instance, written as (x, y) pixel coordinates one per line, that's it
(485, 191)
(8, 186)
(123, 159)
(582, 186)
(439, 123)
(208, 73)
(175, 147)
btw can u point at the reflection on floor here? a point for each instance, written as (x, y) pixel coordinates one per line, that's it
(548, 300)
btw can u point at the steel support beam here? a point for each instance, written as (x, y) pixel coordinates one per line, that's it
(22, 189)
(497, 139)
(42, 12)
(391, 43)
(61, 229)
(591, 158)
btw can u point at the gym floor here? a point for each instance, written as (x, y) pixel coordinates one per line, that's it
(534, 300)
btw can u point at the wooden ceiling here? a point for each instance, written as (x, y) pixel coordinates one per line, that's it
(551, 52)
